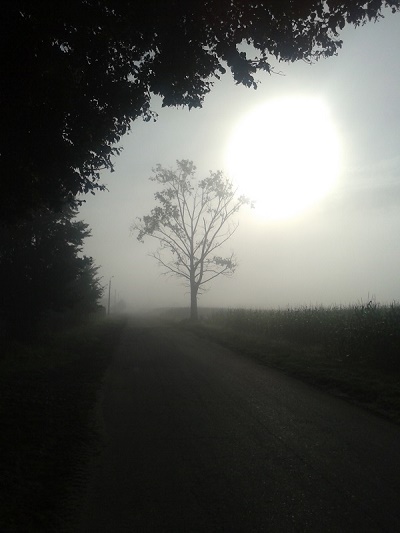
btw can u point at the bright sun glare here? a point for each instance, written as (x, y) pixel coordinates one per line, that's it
(284, 155)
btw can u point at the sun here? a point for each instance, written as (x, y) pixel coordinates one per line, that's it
(285, 155)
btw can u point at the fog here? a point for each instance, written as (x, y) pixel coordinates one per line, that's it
(342, 250)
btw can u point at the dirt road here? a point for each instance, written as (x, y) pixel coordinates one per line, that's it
(198, 439)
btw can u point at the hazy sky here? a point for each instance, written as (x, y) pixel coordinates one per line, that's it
(342, 249)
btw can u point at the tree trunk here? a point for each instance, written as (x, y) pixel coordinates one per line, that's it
(194, 316)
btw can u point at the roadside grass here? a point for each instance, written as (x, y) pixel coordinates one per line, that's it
(352, 352)
(48, 389)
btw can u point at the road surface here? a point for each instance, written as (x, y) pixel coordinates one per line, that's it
(199, 439)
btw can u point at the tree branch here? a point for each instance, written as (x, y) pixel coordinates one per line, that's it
(191, 222)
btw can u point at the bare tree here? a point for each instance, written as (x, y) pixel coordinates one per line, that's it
(191, 221)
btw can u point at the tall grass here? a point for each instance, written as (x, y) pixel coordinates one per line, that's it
(48, 388)
(362, 332)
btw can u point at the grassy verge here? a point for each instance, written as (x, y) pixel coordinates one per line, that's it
(361, 380)
(47, 392)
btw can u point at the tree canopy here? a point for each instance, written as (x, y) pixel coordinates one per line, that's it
(75, 74)
(44, 271)
(191, 222)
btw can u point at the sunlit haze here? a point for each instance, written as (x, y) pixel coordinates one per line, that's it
(316, 146)
(285, 155)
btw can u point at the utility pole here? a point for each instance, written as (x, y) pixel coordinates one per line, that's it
(109, 294)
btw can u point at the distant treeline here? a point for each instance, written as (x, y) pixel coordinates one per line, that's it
(183, 313)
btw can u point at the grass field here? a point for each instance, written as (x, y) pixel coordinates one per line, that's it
(48, 389)
(47, 393)
(352, 352)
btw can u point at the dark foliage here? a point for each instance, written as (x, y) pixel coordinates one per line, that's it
(75, 74)
(43, 271)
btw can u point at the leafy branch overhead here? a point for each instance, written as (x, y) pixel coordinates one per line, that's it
(76, 74)
(191, 222)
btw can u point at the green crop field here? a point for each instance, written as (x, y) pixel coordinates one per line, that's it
(350, 351)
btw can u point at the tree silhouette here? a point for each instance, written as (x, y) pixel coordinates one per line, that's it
(44, 272)
(191, 222)
(76, 74)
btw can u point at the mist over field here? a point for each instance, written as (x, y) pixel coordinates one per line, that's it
(343, 249)
(215, 348)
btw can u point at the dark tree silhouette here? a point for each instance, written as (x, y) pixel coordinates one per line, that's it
(75, 74)
(191, 222)
(43, 271)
